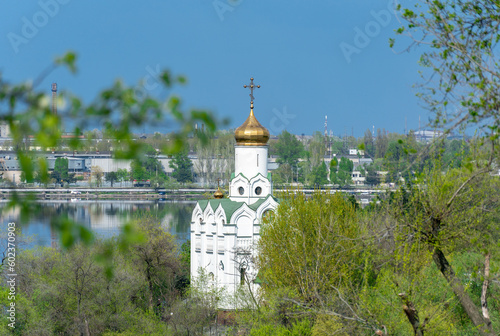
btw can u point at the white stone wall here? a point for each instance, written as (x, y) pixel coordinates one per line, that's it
(250, 160)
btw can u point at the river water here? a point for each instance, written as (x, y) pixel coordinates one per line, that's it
(104, 218)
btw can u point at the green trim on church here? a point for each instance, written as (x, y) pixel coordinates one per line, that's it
(246, 178)
(229, 206)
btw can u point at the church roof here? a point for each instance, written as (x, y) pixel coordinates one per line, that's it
(230, 206)
(251, 133)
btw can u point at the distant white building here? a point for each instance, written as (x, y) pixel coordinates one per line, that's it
(354, 151)
(426, 136)
(357, 178)
(4, 130)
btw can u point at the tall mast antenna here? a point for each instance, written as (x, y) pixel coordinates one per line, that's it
(54, 98)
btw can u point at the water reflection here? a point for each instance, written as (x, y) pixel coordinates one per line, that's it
(103, 217)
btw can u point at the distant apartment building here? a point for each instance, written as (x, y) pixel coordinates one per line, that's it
(4, 130)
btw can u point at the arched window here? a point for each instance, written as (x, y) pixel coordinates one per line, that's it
(258, 191)
(267, 216)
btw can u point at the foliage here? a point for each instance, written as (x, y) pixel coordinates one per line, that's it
(372, 176)
(462, 76)
(288, 149)
(60, 172)
(111, 177)
(96, 175)
(296, 250)
(157, 259)
(301, 328)
(182, 166)
(199, 308)
(457, 211)
(122, 174)
(215, 159)
(316, 149)
(412, 263)
(318, 175)
(283, 174)
(70, 292)
(341, 172)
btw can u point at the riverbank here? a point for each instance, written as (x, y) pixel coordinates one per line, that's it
(145, 194)
(364, 196)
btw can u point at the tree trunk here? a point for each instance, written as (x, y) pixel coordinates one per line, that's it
(412, 314)
(457, 288)
(150, 285)
(484, 292)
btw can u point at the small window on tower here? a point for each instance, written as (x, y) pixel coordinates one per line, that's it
(241, 190)
(242, 276)
(257, 160)
(258, 191)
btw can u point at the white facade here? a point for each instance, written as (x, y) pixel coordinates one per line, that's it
(224, 235)
(250, 160)
(224, 232)
(251, 181)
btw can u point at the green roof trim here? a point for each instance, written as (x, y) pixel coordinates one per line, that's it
(233, 177)
(229, 206)
(268, 176)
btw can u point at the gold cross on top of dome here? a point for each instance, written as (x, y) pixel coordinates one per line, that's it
(251, 86)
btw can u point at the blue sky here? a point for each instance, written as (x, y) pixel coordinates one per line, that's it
(312, 58)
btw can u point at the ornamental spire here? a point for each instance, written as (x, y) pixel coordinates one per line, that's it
(251, 86)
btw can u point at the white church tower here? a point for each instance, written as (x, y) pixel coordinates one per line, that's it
(224, 232)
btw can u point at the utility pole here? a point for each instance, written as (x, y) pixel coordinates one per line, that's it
(54, 98)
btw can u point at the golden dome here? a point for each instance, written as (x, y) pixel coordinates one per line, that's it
(251, 133)
(218, 193)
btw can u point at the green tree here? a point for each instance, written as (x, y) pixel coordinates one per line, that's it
(122, 174)
(289, 150)
(138, 171)
(341, 172)
(318, 175)
(69, 292)
(96, 175)
(372, 176)
(157, 260)
(60, 172)
(369, 144)
(316, 148)
(291, 234)
(381, 142)
(283, 174)
(215, 159)
(458, 211)
(182, 167)
(462, 75)
(334, 166)
(111, 177)
(316, 250)
(153, 167)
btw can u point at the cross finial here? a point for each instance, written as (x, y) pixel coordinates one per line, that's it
(218, 182)
(251, 86)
